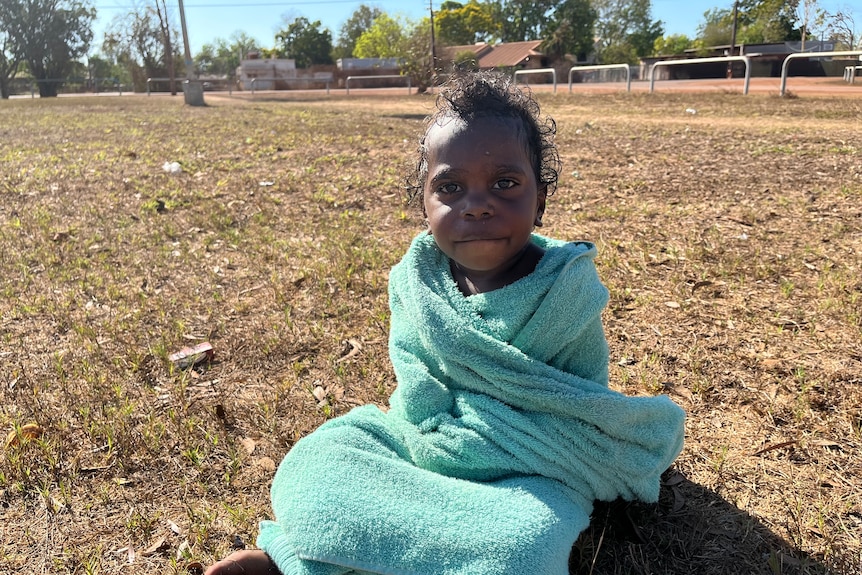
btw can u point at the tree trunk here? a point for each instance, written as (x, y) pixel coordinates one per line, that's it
(48, 89)
(165, 26)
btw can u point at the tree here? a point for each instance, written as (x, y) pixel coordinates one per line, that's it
(416, 59)
(165, 35)
(10, 54)
(222, 57)
(305, 42)
(757, 22)
(387, 38)
(768, 21)
(361, 20)
(716, 28)
(842, 29)
(811, 18)
(523, 20)
(407, 41)
(673, 44)
(136, 41)
(50, 35)
(104, 72)
(625, 30)
(572, 33)
(457, 24)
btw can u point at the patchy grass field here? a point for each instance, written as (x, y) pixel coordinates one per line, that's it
(730, 239)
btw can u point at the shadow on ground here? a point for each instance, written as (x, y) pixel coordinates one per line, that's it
(690, 530)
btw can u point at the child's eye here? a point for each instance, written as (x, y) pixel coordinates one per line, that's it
(448, 188)
(505, 184)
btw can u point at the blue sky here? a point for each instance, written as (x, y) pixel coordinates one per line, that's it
(260, 19)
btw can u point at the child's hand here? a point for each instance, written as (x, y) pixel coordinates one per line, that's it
(246, 562)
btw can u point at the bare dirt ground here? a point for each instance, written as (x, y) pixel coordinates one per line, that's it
(729, 230)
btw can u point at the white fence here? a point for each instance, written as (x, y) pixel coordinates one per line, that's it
(625, 67)
(538, 71)
(810, 55)
(326, 81)
(850, 73)
(703, 61)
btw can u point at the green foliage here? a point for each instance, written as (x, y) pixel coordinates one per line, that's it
(769, 21)
(222, 57)
(10, 53)
(573, 30)
(716, 28)
(305, 42)
(457, 24)
(672, 44)
(405, 40)
(361, 20)
(466, 61)
(757, 22)
(49, 34)
(811, 18)
(141, 41)
(523, 20)
(417, 56)
(386, 38)
(625, 30)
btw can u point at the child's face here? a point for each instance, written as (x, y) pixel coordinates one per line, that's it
(481, 197)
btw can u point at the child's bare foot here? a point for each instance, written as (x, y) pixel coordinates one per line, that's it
(246, 562)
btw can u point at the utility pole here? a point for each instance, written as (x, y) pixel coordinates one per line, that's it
(732, 38)
(193, 91)
(733, 27)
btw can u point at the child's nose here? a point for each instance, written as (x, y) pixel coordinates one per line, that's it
(477, 205)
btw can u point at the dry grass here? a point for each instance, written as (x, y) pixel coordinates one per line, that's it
(731, 241)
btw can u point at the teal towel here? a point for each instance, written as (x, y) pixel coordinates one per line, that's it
(500, 435)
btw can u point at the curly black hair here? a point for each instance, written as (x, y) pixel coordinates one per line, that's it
(471, 95)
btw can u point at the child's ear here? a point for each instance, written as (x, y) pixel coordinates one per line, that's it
(540, 207)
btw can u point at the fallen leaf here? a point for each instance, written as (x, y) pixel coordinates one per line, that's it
(26, 432)
(672, 304)
(248, 445)
(678, 390)
(184, 550)
(319, 393)
(56, 506)
(158, 546)
(355, 348)
(774, 447)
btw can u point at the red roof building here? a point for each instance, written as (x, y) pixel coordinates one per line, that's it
(507, 55)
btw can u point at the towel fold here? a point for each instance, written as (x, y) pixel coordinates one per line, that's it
(500, 435)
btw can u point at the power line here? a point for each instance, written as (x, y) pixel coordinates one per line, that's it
(235, 5)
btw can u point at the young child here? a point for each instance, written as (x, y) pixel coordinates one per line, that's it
(502, 431)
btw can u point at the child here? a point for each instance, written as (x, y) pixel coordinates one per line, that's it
(502, 431)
